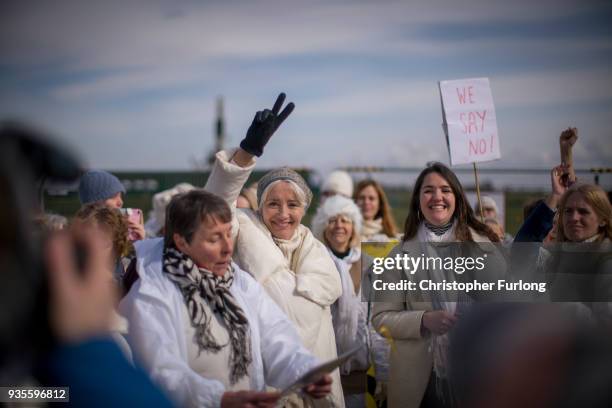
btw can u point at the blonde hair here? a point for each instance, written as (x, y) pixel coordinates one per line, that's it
(109, 219)
(597, 198)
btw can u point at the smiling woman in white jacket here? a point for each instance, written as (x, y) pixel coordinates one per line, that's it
(203, 328)
(282, 254)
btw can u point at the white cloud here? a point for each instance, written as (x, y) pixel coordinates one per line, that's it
(552, 88)
(98, 35)
(529, 89)
(125, 83)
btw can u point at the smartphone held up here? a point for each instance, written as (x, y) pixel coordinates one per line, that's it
(134, 215)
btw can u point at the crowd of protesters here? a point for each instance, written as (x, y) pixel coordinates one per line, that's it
(224, 298)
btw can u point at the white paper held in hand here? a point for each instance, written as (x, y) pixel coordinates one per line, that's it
(314, 374)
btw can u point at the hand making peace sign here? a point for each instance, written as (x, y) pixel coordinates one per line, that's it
(264, 125)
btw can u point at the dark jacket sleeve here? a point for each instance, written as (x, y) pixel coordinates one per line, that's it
(537, 225)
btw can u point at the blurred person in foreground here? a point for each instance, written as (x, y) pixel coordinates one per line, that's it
(54, 329)
(519, 355)
(204, 328)
(337, 224)
(50, 222)
(275, 247)
(420, 324)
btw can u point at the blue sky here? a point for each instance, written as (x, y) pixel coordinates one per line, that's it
(132, 84)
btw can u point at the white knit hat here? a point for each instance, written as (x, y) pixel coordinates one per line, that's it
(339, 182)
(157, 216)
(330, 208)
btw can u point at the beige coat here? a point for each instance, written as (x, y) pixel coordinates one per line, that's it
(305, 289)
(411, 359)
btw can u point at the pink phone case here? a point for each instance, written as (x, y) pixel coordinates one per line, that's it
(134, 215)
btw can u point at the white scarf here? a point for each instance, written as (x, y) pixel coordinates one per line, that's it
(440, 343)
(290, 247)
(371, 228)
(262, 255)
(592, 239)
(343, 310)
(350, 316)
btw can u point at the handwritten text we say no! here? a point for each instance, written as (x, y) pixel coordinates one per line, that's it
(474, 123)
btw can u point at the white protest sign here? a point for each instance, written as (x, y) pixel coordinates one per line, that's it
(469, 120)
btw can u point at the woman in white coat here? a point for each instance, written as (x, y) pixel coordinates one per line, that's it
(271, 243)
(202, 327)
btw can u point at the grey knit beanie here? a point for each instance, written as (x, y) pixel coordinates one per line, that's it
(98, 185)
(284, 173)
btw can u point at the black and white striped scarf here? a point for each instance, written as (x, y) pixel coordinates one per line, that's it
(439, 229)
(200, 286)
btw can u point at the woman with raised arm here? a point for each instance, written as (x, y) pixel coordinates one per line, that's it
(419, 322)
(582, 242)
(584, 245)
(271, 243)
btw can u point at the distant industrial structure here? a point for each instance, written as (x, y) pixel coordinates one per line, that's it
(219, 132)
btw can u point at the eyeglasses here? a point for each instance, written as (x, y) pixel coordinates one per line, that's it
(341, 219)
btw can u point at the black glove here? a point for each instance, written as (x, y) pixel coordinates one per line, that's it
(264, 125)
